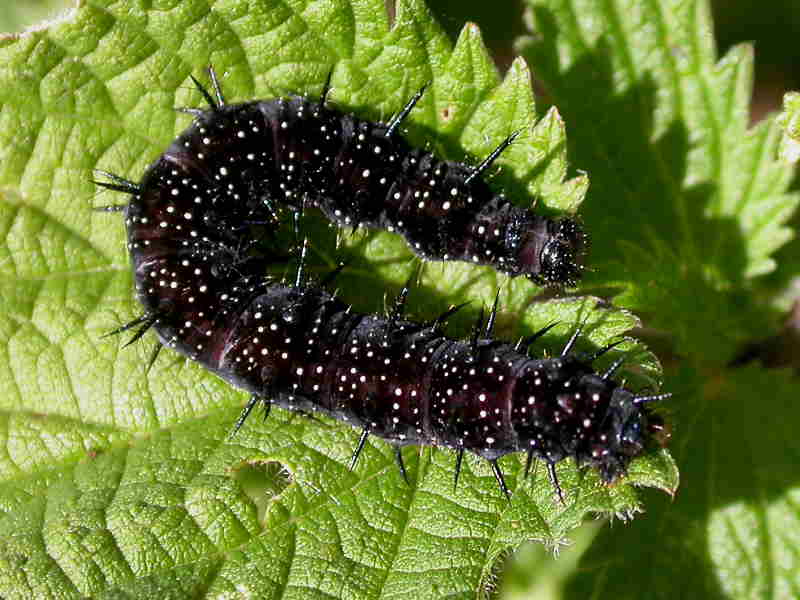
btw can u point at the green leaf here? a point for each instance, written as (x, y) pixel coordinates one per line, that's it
(688, 206)
(533, 572)
(687, 203)
(790, 121)
(19, 15)
(733, 529)
(118, 482)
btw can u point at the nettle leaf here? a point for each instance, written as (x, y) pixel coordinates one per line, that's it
(687, 204)
(687, 207)
(118, 482)
(733, 529)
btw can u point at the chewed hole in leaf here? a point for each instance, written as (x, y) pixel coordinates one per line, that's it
(262, 482)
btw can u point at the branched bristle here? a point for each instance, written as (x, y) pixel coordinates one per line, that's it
(459, 458)
(498, 475)
(326, 88)
(652, 398)
(209, 100)
(118, 184)
(398, 455)
(153, 356)
(359, 447)
(267, 407)
(400, 117)
(330, 277)
(571, 342)
(529, 461)
(489, 160)
(551, 473)
(254, 399)
(400, 302)
(140, 332)
(476, 332)
(301, 263)
(447, 314)
(613, 368)
(110, 207)
(137, 321)
(215, 84)
(492, 316)
(195, 112)
(526, 342)
(597, 354)
(297, 217)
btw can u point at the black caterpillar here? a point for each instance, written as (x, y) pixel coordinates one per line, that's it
(269, 154)
(193, 224)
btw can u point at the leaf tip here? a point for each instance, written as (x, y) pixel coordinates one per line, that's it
(789, 121)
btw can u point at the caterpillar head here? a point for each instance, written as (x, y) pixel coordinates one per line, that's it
(561, 256)
(625, 431)
(551, 252)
